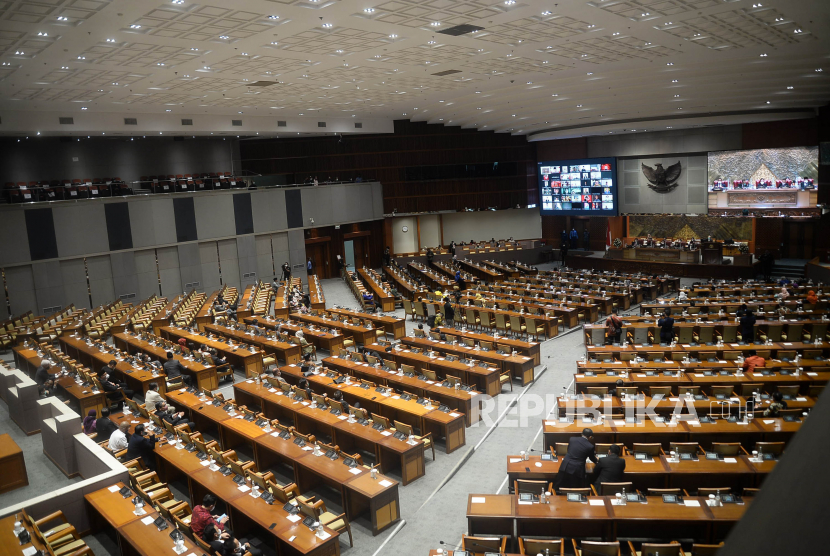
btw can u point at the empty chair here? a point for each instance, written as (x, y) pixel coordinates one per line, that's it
(685, 447)
(497, 543)
(717, 491)
(776, 448)
(655, 391)
(749, 388)
(657, 549)
(611, 489)
(653, 450)
(521, 486)
(722, 391)
(728, 448)
(706, 549)
(593, 548)
(531, 547)
(662, 491)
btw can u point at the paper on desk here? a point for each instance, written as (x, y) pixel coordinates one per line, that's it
(342, 417)
(307, 448)
(272, 390)
(812, 374)
(249, 381)
(643, 376)
(29, 551)
(323, 536)
(674, 399)
(538, 464)
(769, 421)
(787, 344)
(244, 488)
(148, 520)
(294, 518)
(619, 423)
(698, 374)
(580, 376)
(355, 471)
(384, 483)
(514, 460)
(455, 415)
(596, 502)
(550, 423)
(730, 460)
(386, 433)
(692, 503)
(477, 500)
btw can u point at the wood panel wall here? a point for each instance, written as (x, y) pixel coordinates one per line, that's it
(385, 158)
(373, 230)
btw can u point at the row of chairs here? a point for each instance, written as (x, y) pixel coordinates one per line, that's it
(501, 322)
(358, 289)
(172, 183)
(60, 539)
(99, 326)
(59, 190)
(142, 317)
(727, 449)
(185, 312)
(532, 546)
(789, 391)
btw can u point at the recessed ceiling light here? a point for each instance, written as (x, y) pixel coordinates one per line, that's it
(369, 10)
(275, 43)
(63, 18)
(134, 26)
(273, 17)
(168, 110)
(768, 102)
(178, 2)
(615, 34)
(393, 36)
(64, 67)
(668, 127)
(224, 37)
(644, 14)
(81, 57)
(339, 51)
(676, 96)
(674, 80)
(530, 82)
(84, 108)
(435, 23)
(478, 92)
(670, 64)
(301, 113)
(554, 95)
(160, 64)
(790, 88)
(579, 106)
(239, 112)
(763, 55)
(759, 5)
(680, 109)
(546, 12)
(819, 70)
(590, 73)
(42, 34)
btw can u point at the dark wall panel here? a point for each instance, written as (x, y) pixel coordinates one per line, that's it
(119, 231)
(243, 214)
(294, 208)
(40, 228)
(185, 215)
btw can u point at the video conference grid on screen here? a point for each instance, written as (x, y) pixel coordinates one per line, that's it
(578, 187)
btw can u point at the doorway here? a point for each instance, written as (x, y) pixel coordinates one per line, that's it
(319, 254)
(348, 248)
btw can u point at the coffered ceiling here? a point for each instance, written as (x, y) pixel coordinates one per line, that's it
(534, 67)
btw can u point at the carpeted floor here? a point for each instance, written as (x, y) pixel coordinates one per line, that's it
(433, 508)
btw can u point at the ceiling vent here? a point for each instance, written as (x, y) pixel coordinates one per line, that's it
(321, 124)
(187, 121)
(130, 121)
(67, 121)
(358, 125)
(237, 123)
(459, 30)
(262, 83)
(282, 123)
(446, 72)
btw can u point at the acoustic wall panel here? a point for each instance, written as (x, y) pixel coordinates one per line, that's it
(152, 221)
(124, 276)
(264, 257)
(209, 260)
(214, 216)
(294, 208)
(171, 280)
(377, 201)
(296, 248)
(80, 229)
(190, 266)
(268, 209)
(185, 214)
(119, 233)
(146, 273)
(21, 288)
(48, 286)
(100, 280)
(17, 251)
(243, 214)
(365, 209)
(247, 260)
(75, 286)
(40, 229)
(229, 263)
(317, 204)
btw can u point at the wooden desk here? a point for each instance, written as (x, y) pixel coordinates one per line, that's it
(203, 376)
(384, 300)
(528, 349)
(9, 545)
(98, 355)
(361, 334)
(12, 465)
(250, 360)
(290, 353)
(389, 323)
(328, 341)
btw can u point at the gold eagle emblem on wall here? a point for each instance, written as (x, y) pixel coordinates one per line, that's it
(662, 180)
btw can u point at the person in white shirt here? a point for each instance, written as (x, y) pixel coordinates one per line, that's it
(152, 397)
(118, 439)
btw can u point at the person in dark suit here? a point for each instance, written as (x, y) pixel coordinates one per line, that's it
(666, 324)
(141, 446)
(173, 369)
(748, 326)
(103, 426)
(44, 372)
(609, 469)
(572, 469)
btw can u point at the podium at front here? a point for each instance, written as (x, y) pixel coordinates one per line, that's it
(712, 252)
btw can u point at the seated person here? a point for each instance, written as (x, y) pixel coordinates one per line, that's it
(775, 407)
(306, 348)
(142, 446)
(104, 426)
(111, 385)
(46, 389)
(202, 516)
(168, 413)
(152, 397)
(752, 361)
(223, 542)
(174, 370)
(44, 372)
(611, 468)
(120, 438)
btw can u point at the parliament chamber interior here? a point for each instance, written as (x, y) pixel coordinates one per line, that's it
(439, 278)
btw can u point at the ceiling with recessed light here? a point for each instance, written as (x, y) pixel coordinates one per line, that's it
(534, 67)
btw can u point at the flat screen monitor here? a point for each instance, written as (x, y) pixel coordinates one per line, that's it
(586, 187)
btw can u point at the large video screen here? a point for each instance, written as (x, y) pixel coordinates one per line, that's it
(793, 168)
(586, 187)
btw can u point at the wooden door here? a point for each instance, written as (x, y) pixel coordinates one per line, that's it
(319, 255)
(361, 252)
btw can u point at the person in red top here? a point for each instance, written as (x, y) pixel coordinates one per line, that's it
(203, 515)
(753, 360)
